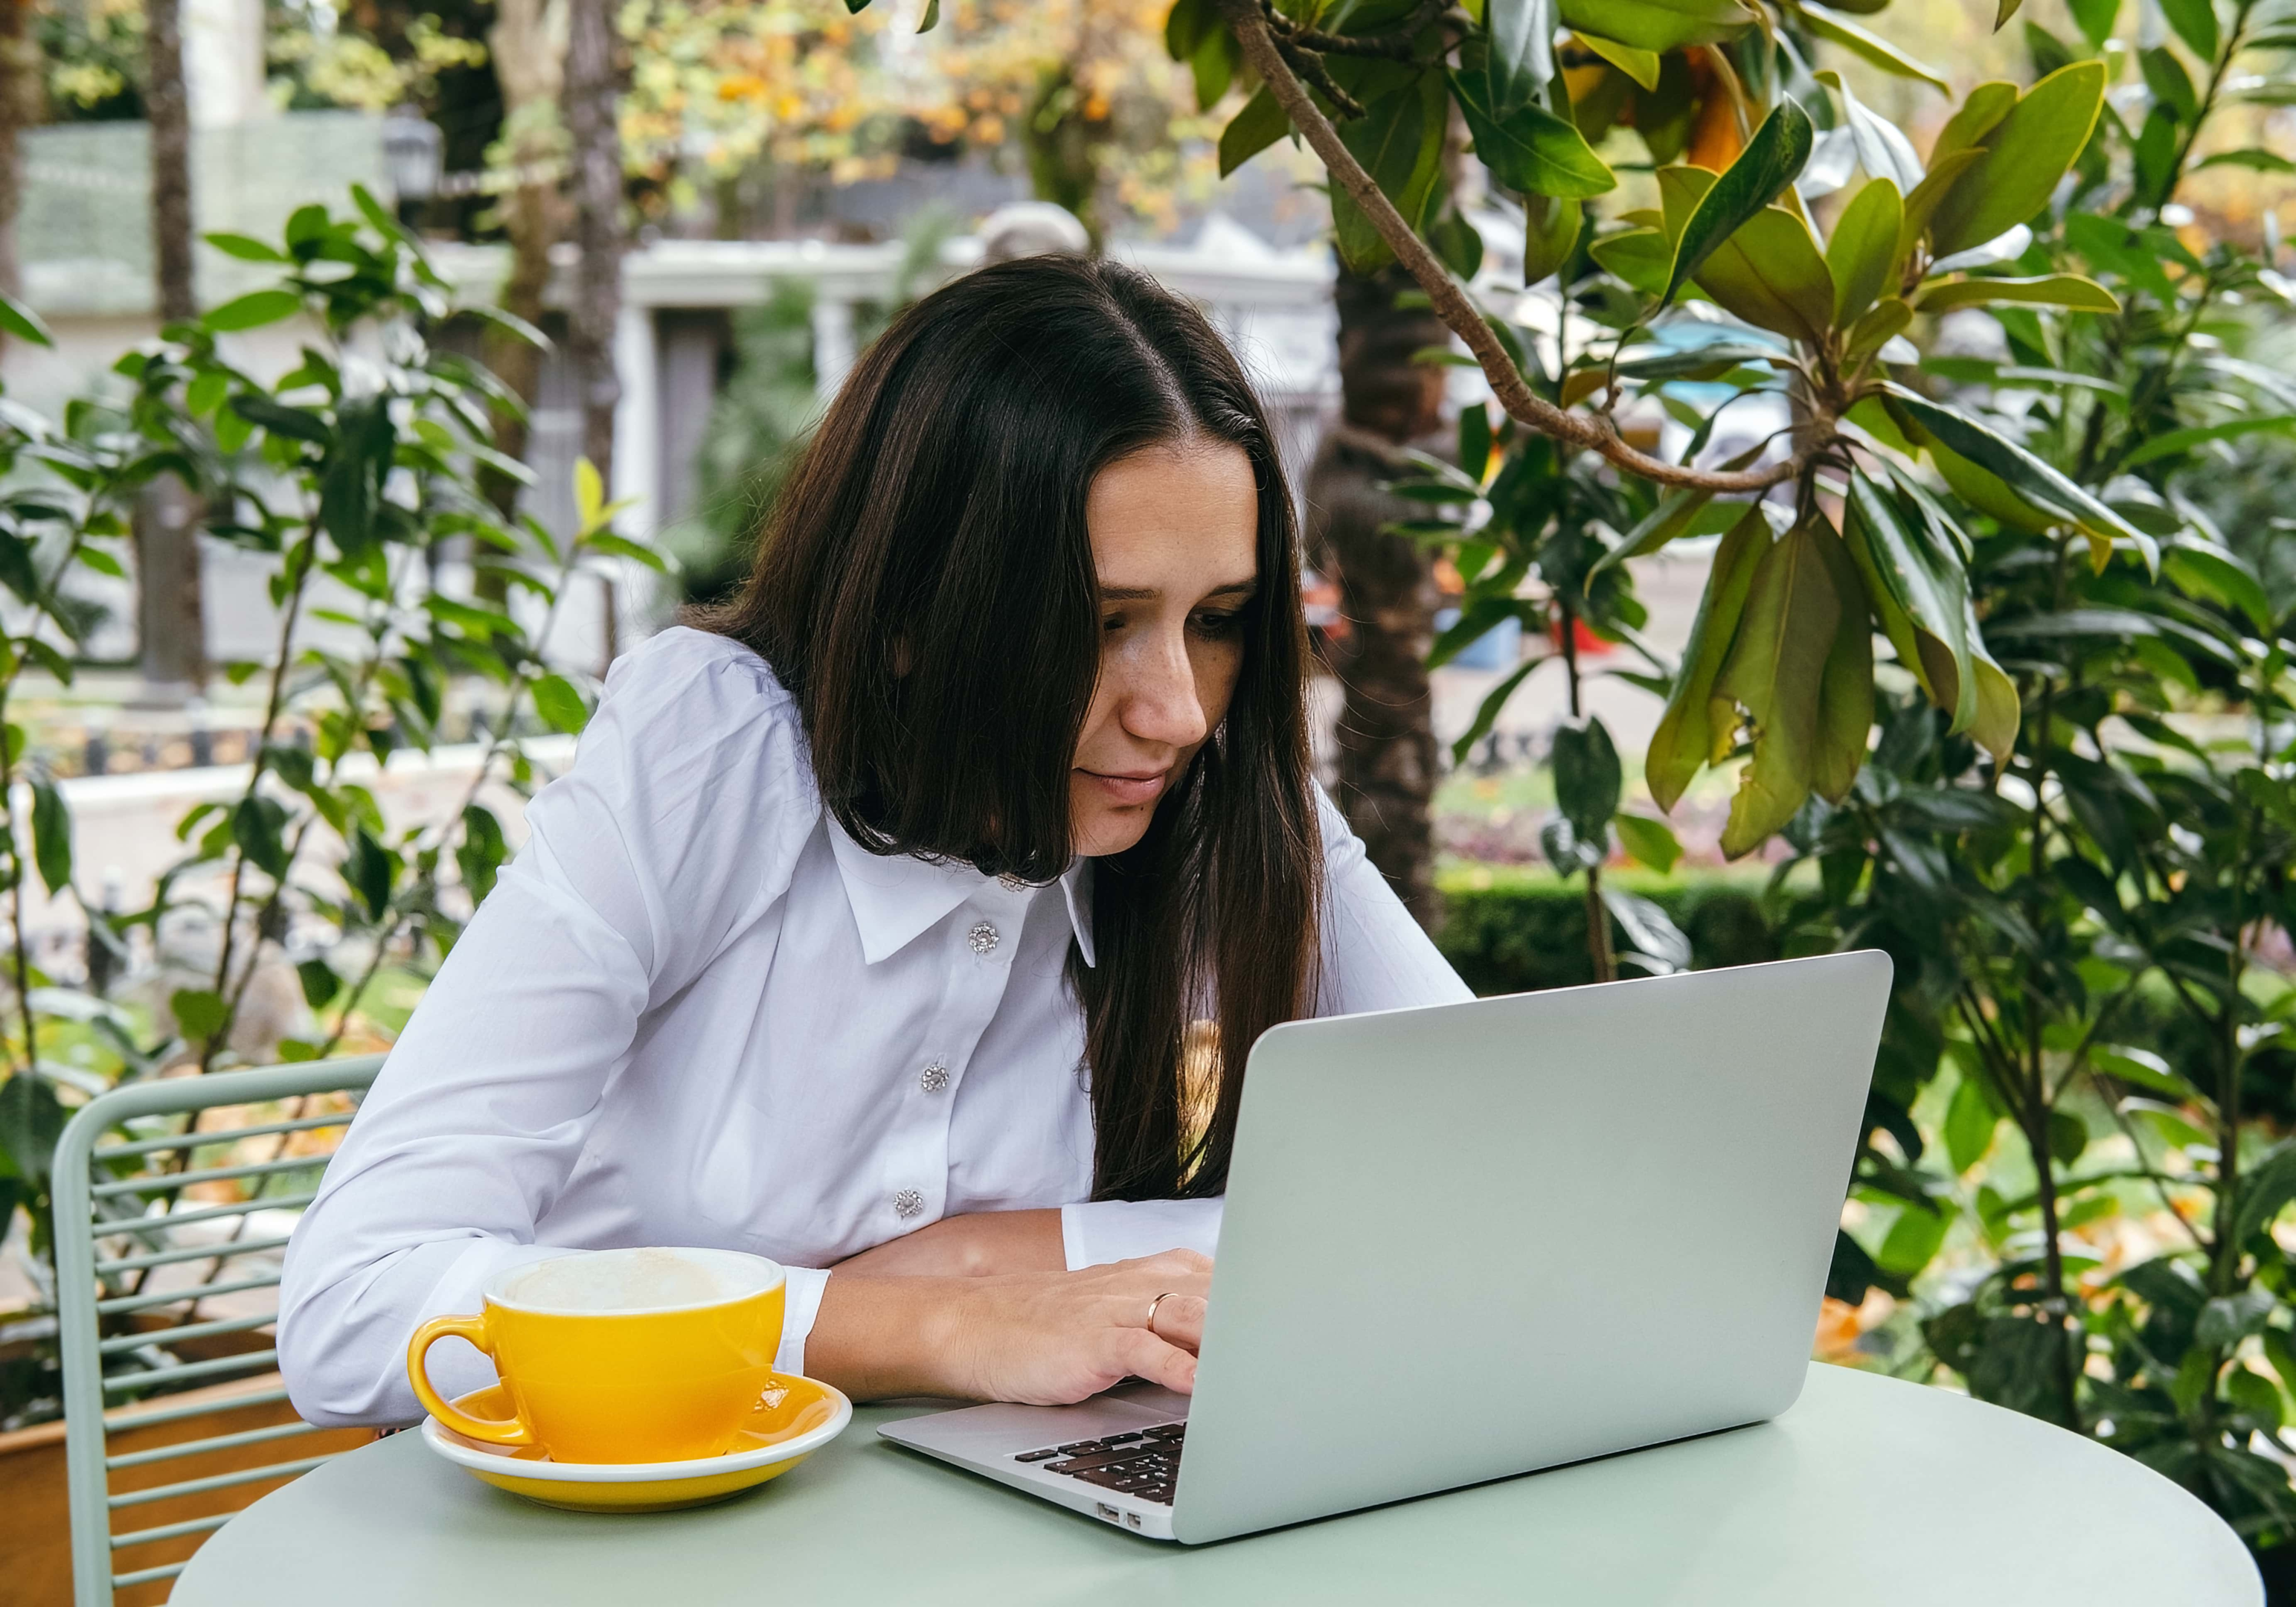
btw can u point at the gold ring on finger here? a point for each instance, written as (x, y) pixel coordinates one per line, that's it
(1159, 1300)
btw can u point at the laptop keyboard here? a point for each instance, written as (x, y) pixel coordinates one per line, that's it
(1144, 1463)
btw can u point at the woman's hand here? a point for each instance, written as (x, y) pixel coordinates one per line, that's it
(1041, 1339)
(981, 1245)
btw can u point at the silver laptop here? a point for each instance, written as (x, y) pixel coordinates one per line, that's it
(1465, 1242)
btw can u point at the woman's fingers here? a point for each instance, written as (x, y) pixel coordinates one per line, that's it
(1180, 1321)
(1140, 1353)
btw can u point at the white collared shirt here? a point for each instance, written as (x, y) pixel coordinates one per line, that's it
(693, 1011)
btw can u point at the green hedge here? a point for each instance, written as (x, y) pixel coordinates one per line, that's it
(1512, 929)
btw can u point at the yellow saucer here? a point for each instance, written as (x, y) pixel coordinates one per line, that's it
(796, 1417)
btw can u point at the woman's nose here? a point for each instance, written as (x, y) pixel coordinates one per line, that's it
(1160, 704)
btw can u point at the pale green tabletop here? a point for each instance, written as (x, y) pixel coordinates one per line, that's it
(1868, 1491)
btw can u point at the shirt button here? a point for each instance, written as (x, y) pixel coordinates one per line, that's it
(907, 1203)
(933, 1079)
(982, 938)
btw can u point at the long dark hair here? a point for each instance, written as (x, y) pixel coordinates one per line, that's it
(925, 591)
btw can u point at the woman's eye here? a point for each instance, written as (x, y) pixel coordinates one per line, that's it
(1218, 624)
(1111, 623)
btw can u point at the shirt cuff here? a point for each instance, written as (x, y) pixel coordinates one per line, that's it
(1101, 1231)
(800, 1304)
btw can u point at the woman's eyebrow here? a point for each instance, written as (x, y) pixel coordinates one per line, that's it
(1149, 593)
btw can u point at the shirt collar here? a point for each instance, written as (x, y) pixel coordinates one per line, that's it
(898, 897)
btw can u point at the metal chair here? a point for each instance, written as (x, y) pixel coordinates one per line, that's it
(161, 1273)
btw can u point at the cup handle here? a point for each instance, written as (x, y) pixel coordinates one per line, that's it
(493, 1432)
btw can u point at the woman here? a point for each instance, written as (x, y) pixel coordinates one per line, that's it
(867, 930)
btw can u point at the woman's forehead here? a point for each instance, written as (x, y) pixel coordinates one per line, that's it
(1168, 516)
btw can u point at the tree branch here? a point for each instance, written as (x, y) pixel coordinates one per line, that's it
(1394, 44)
(1450, 302)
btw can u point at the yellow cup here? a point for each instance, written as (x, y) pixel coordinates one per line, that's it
(620, 1355)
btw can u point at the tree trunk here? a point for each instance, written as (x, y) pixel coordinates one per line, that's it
(1386, 757)
(171, 161)
(592, 84)
(527, 47)
(20, 108)
(170, 623)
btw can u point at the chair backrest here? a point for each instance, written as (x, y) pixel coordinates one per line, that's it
(168, 1244)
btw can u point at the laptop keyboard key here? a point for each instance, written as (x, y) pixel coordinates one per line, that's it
(1049, 1451)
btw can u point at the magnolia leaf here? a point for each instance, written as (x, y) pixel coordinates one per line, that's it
(2174, 442)
(1922, 200)
(52, 836)
(2003, 12)
(1400, 142)
(2220, 578)
(1250, 131)
(560, 705)
(1686, 735)
(1769, 273)
(2071, 291)
(1550, 232)
(1640, 256)
(1640, 65)
(1988, 493)
(2170, 85)
(1845, 698)
(1519, 60)
(248, 249)
(1579, 385)
(1676, 514)
(1657, 25)
(2095, 19)
(254, 310)
(1882, 323)
(2037, 482)
(1999, 712)
(1531, 151)
(1864, 251)
(1487, 713)
(1920, 596)
(2026, 152)
(1868, 47)
(21, 321)
(1651, 842)
(1980, 110)
(2195, 22)
(1763, 171)
(1883, 150)
(2250, 156)
(1776, 671)
(1588, 776)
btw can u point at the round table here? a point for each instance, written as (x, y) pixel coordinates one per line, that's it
(1869, 1491)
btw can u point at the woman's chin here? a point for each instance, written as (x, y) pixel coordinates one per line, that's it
(1106, 831)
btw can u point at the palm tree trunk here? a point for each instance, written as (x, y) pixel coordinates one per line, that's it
(20, 98)
(591, 92)
(170, 624)
(527, 47)
(1386, 757)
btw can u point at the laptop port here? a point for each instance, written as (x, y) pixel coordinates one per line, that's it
(1109, 1512)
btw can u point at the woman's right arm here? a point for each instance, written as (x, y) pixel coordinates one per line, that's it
(469, 1135)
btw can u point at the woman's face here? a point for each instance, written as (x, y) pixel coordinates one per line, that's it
(1175, 544)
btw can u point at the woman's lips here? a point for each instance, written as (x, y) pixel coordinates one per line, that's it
(1124, 790)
